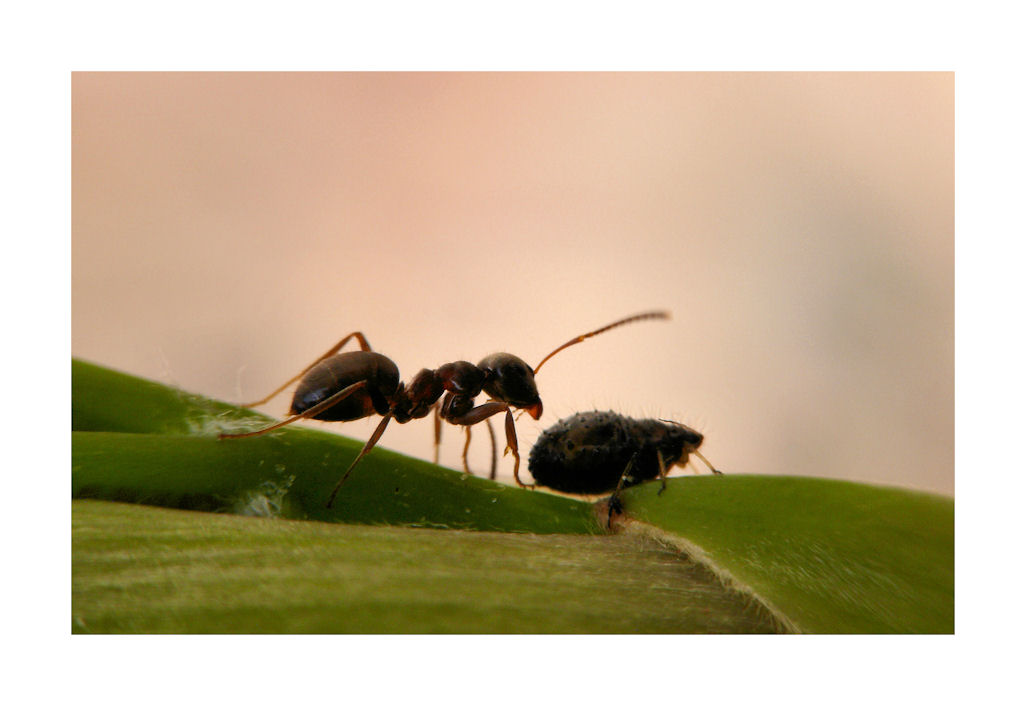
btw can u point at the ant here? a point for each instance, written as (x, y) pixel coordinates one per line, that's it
(341, 387)
(598, 452)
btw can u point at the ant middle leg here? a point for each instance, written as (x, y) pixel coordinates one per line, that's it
(491, 436)
(360, 338)
(466, 448)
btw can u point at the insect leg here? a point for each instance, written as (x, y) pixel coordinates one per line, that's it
(364, 346)
(488, 409)
(615, 504)
(491, 435)
(511, 445)
(719, 473)
(366, 449)
(466, 447)
(662, 471)
(438, 428)
(316, 409)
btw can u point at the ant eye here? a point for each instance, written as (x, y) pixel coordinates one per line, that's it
(569, 445)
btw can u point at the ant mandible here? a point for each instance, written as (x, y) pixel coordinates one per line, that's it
(341, 387)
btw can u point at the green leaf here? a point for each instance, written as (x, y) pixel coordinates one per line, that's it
(288, 473)
(827, 555)
(816, 555)
(106, 400)
(148, 570)
(292, 475)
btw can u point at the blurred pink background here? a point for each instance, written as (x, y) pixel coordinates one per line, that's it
(229, 228)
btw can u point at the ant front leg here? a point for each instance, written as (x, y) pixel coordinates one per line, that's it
(364, 346)
(483, 412)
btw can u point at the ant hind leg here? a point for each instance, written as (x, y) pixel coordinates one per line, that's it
(364, 346)
(316, 409)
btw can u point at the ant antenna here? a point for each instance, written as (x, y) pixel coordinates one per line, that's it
(621, 322)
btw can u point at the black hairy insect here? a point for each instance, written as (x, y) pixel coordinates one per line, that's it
(598, 452)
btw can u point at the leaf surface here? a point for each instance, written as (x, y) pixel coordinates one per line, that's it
(797, 553)
(831, 556)
(141, 569)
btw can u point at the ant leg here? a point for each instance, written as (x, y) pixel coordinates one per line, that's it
(488, 409)
(511, 445)
(364, 346)
(466, 447)
(366, 449)
(491, 434)
(438, 428)
(316, 409)
(615, 504)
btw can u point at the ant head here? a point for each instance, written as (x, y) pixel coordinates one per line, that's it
(510, 379)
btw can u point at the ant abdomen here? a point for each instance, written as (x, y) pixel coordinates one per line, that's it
(340, 371)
